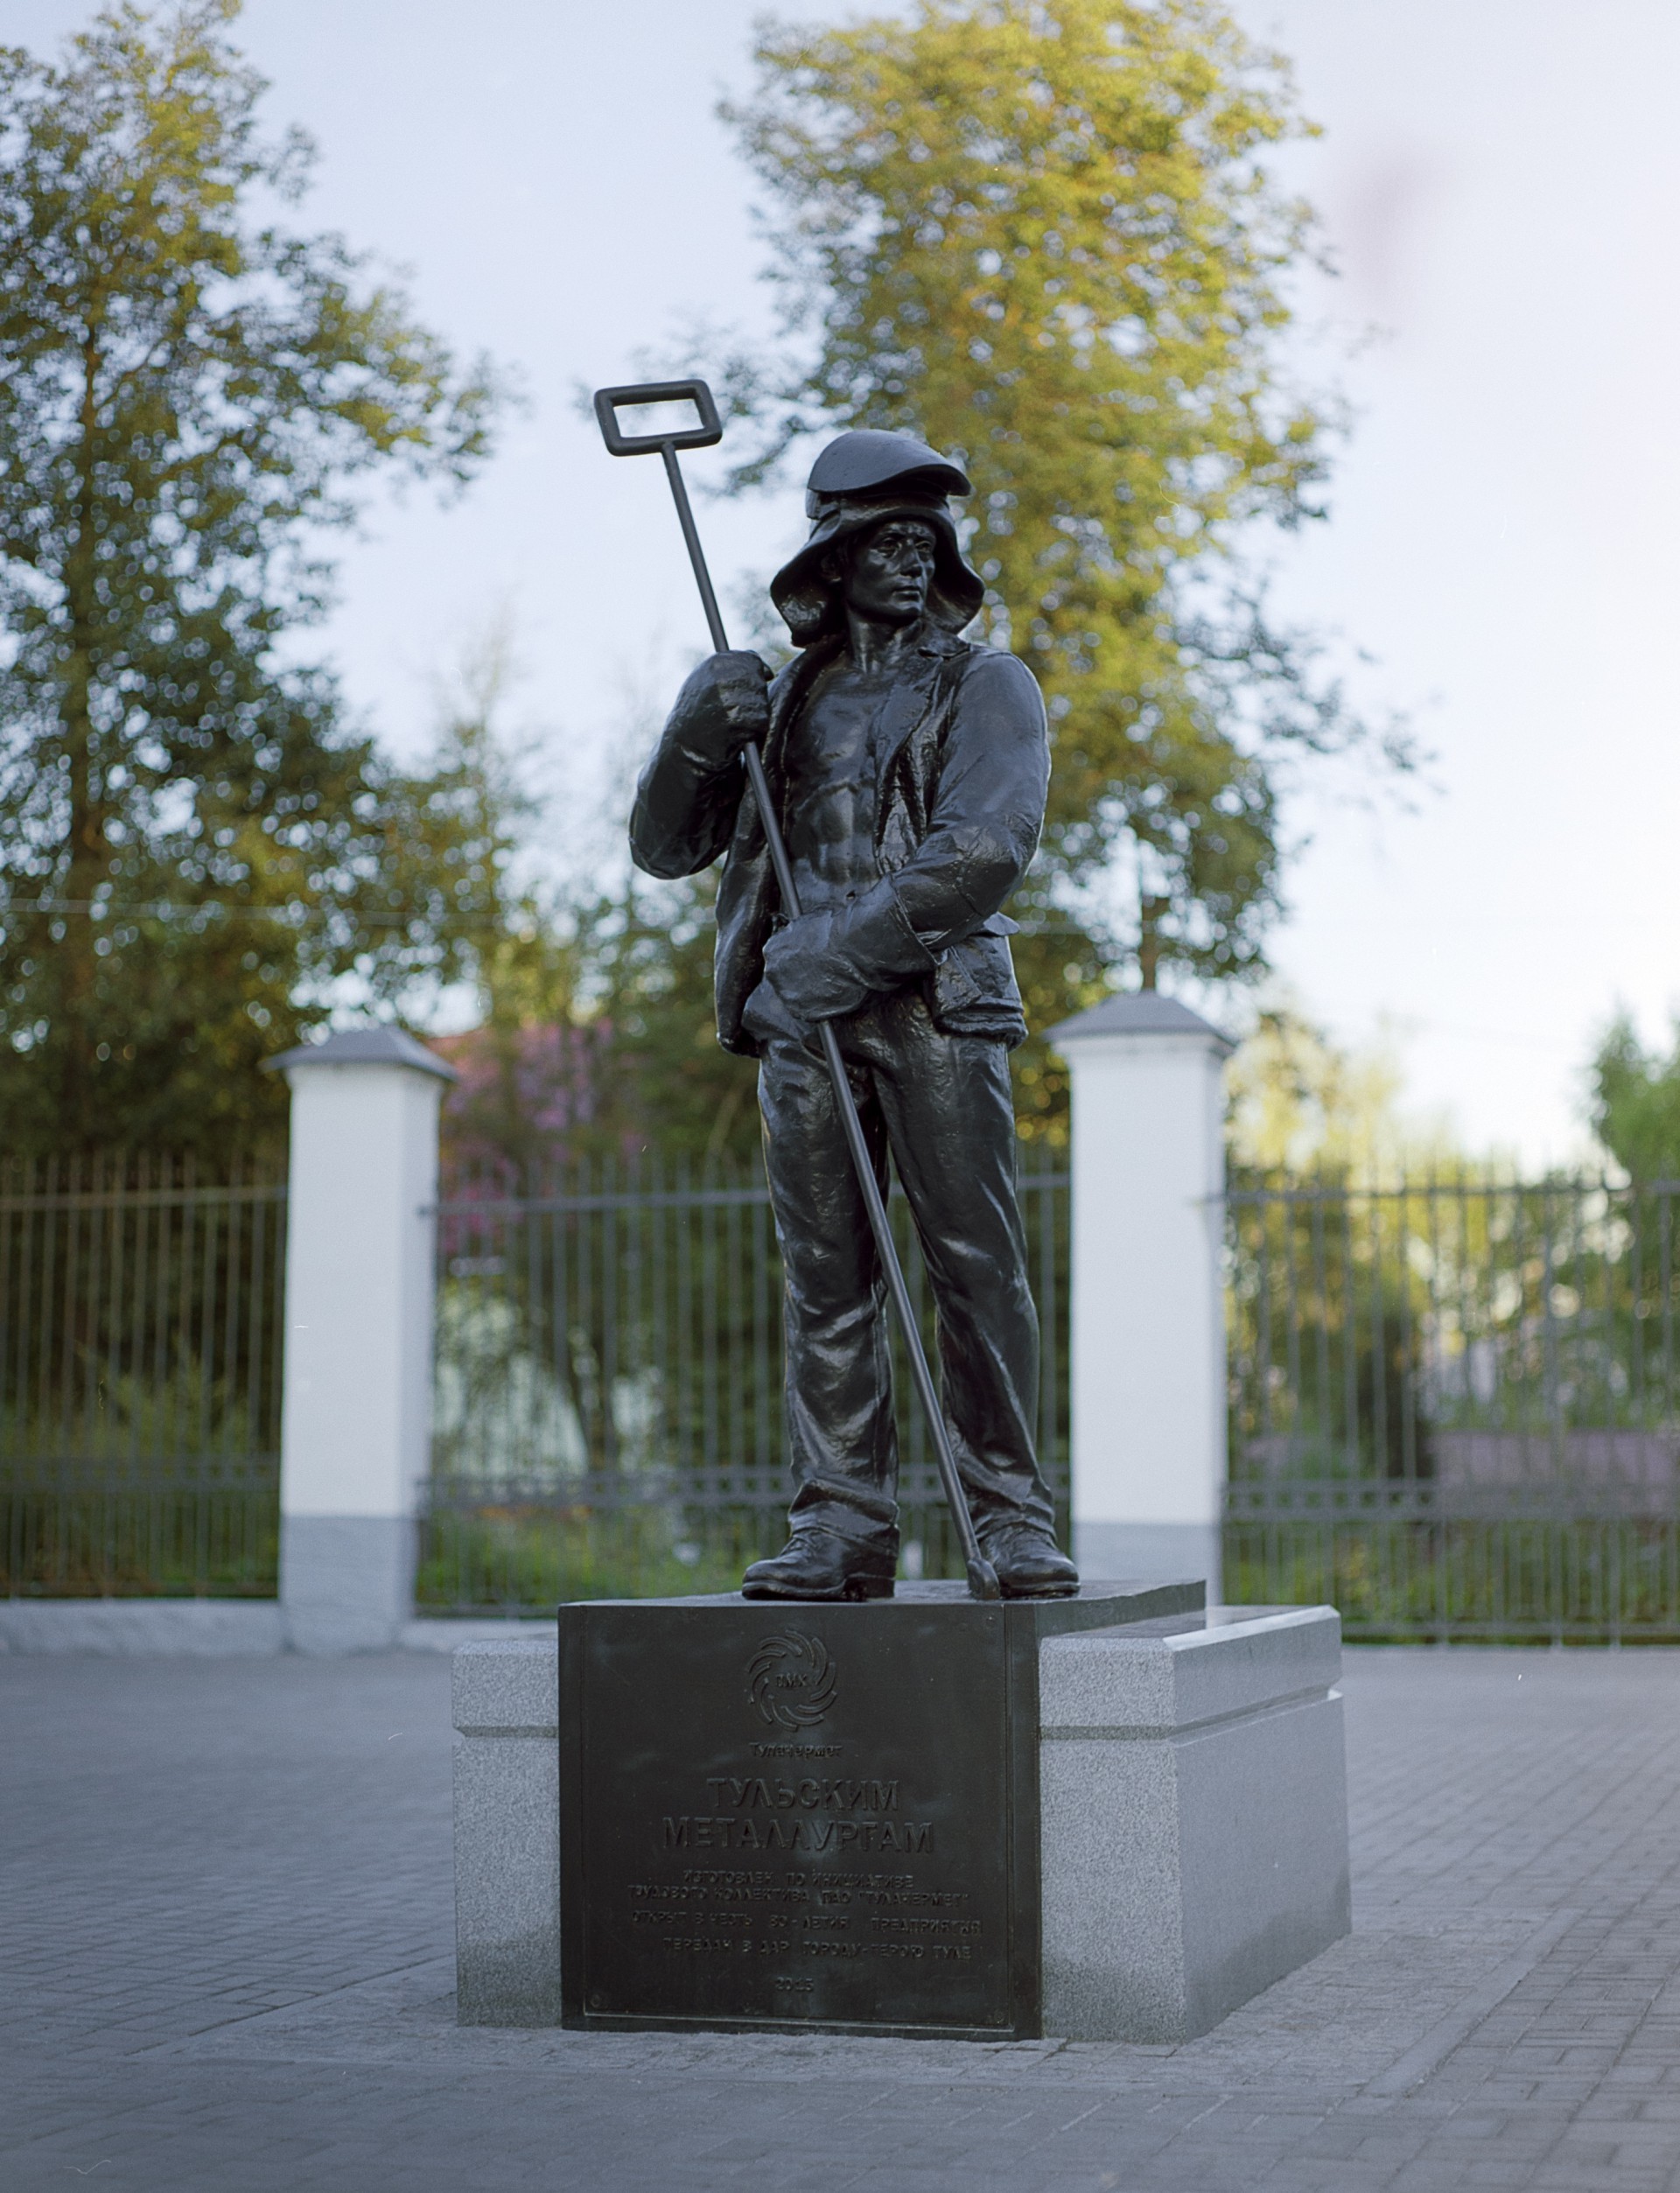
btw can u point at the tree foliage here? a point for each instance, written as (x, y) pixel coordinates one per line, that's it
(596, 1034)
(1041, 234)
(1300, 1103)
(1636, 1103)
(596, 1038)
(192, 843)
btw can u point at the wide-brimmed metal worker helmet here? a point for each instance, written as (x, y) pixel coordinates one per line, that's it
(859, 481)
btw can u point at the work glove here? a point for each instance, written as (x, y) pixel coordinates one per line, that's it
(767, 1020)
(814, 980)
(723, 703)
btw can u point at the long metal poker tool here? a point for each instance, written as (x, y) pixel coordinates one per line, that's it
(983, 1578)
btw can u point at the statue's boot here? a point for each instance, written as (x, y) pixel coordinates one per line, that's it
(1030, 1563)
(816, 1564)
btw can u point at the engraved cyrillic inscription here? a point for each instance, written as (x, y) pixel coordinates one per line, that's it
(700, 1831)
(744, 1792)
(746, 1871)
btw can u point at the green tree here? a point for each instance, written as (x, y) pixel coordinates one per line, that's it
(1636, 1103)
(1298, 1103)
(596, 1034)
(1041, 232)
(672, 1084)
(192, 843)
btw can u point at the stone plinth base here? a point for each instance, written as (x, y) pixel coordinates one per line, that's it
(1195, 1814)
(505, 1700)
(1172, 1788)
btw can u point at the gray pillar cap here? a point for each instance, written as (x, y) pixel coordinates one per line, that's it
(1138, 1013)
(365, 1046)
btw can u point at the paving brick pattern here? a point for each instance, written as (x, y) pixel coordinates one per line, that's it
(224, 1968)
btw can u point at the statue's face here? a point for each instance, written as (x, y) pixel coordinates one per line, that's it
(889, 571)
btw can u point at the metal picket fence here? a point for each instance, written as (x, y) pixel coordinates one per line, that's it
(1455, 1407)
(140, 1337)
(607, 1410)
(1454, 1402)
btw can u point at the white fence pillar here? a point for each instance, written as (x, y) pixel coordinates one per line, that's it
(1148, 1307)
(356, 1409)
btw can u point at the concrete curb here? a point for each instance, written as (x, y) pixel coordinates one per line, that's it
(206, 1629)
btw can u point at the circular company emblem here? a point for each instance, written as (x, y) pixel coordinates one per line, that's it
(790, 1679)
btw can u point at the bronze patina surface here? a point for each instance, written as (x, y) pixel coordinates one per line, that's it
(822, 1816)
(863, 957)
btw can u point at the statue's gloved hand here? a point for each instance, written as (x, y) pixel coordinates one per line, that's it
(812, 979)
(725, 702)
(768, 1020)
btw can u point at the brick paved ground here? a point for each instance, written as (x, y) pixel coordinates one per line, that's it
(224, 1933)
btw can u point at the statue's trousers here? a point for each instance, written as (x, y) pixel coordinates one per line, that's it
(941, 1104)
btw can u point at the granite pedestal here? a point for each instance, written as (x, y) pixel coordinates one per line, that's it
(918, 1817)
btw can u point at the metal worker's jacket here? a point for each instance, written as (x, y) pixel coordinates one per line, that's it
(963, 772)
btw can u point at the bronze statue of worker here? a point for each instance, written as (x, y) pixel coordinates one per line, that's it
(909, 768)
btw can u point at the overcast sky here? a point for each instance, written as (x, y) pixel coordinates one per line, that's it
(1500, 182)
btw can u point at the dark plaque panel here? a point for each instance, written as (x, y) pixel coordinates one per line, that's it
(783, 1814)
